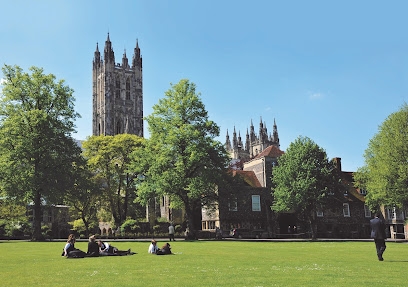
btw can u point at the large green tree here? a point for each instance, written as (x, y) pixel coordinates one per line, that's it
(303, 180)
(37, 150)
(183, 160)
(84, 196)
(385, 173)
(109, 160)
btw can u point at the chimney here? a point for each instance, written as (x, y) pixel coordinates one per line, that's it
(337, 162)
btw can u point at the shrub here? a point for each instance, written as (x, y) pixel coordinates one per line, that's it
(178, 228)
(128, 225)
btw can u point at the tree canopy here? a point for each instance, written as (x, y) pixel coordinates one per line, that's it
(302, 180)
(182, 158)
(385, 173)
(109, 158)
(37, 150)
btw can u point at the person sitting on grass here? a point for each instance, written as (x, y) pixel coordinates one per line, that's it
(93, 247)
(153, 247)
(165, 250)
(70, 251)
(105, 249)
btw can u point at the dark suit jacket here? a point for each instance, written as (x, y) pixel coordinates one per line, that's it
(377, 228)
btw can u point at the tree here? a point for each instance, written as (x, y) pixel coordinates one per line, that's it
(37, 150)
(109, 160)
(83, 196)
(385, 173)
(182, 159)
(303, 179)
(12, 215)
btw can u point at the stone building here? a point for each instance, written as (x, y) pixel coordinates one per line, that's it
(254, 144)
(248, 206)
(117, 93)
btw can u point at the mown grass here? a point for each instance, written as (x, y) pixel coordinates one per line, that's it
(208, 263)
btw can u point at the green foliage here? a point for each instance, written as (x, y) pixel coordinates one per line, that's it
(303, 179)
(46, 231)
(12, 212)
(178, 228)
(83, 196)
(385, 173)
(109, 160)
(182, 159)
(207, 263)
(36, 147)
(161, 219)
(78, 225)
(130, 226)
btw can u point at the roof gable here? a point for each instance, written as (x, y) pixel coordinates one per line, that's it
(248, 176)
(270, 151)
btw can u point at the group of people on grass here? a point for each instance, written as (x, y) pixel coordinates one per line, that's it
(99, 248)
(154, 249)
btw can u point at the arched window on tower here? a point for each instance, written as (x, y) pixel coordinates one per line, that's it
(127, 89)
(117, 93)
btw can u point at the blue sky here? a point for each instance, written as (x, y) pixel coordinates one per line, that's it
(329, 70)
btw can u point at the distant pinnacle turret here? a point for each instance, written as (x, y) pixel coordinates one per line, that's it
(109, 55)
(137, 58)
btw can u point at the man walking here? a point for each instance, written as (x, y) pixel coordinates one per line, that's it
(171, 232)
(378, 234)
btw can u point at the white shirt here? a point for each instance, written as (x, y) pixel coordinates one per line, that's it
(153, 248)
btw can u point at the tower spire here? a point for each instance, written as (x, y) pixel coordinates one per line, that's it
(97, 57)
(137, 59)
(275, 134)
(227, 142)
(109, 56)
(125, 62)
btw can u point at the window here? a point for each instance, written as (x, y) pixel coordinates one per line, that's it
(319, 213)
(389, 213)
(256, 203)
(394, 213)
(346, 210)
(367, 211)
(117, 88)
(127, 89)
(232, 204)
(208, 225)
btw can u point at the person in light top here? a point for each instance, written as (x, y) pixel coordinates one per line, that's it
(153, 247)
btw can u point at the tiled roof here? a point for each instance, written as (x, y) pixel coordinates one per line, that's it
(248, 176)
(270, 151)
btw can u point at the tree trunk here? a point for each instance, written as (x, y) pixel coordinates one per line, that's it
(190, 225)
(37, 217)
(86, 223)
(313, 225)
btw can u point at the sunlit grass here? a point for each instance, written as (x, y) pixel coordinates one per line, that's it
(208, 263)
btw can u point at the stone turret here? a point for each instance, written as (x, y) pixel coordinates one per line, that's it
(117, 93)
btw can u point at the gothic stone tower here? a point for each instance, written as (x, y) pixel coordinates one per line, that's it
(117, 93)
(254, 144)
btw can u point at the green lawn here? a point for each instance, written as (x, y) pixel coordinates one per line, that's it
(208, 263)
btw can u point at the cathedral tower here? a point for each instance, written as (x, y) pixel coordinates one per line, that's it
(117, 93)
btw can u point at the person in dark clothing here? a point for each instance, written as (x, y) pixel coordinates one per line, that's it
(93, 247)
(70, 251)
(165, 250)
(107, 249)
(378, 234)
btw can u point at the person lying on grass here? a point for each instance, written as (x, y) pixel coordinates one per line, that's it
(105, 249)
